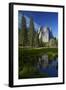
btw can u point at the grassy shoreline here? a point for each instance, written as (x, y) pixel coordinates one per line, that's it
(51, 52)
(37, 50)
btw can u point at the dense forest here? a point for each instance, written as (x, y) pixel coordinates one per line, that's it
(28, 36)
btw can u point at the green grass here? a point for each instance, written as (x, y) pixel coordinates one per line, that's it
(36, 51)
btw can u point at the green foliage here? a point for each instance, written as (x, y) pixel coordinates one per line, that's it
(36, 40)
(23, 33)
(28, 36)
(31, 33)
(36, 51)
(53, 43)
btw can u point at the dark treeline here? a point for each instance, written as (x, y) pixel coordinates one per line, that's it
(28, 36)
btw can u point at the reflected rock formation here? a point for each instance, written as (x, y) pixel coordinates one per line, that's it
(43, 61)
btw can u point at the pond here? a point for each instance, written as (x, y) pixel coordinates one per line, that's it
(38, 66)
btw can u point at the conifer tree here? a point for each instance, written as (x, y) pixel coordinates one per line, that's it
(31, 33)
(23, 33)
(36, 40)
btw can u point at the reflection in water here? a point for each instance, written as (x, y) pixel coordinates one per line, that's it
(51, 68)
(43, 61)
(38, 66)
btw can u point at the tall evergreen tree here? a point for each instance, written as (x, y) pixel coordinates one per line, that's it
(23, 33)
(36, 40)
(31, 33)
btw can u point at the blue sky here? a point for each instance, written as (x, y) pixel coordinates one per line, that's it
(49, 19)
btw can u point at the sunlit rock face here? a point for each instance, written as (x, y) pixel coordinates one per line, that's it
(45, 34)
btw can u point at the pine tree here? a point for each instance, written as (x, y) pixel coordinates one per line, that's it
(31, 33)
(36, 40)
(23, 33)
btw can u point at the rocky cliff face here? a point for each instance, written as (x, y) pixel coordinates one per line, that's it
(45, 34)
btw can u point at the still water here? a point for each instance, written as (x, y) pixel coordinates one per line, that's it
(37, 66)
(47, 66)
